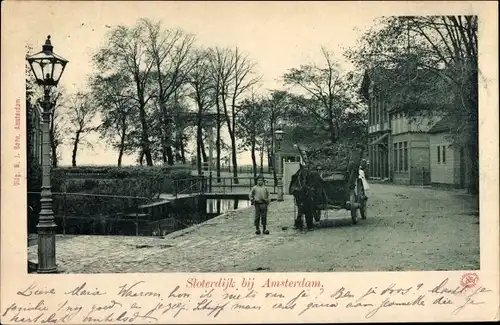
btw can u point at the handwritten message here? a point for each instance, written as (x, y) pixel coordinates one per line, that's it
(138, 302)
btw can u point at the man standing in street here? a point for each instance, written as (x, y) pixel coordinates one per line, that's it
(259, 196)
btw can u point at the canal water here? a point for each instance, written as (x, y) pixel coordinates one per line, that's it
(220, 206)
(180, 216)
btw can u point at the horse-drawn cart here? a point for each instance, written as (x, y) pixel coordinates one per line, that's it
(317, 189)
(338, 195)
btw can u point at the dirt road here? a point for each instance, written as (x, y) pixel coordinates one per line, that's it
(407, 229)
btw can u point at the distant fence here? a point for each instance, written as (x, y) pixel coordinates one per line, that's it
(224, 184)
(191, 185)
(245, 169)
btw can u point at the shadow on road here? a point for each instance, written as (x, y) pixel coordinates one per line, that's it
(341, 222)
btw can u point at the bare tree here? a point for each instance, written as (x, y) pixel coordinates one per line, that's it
(169, 51)
(274, 107)
(57, 128)
(323, 92)
(81, 112)
(113, 98)
(250, 126)
(221, 68)
(234, 76)
(202, 93)
(126, 52)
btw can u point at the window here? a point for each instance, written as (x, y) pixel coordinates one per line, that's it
(395, 157)
(400, 156)
(444, 155)
(400, 162)
(439, 154)
(406, 156)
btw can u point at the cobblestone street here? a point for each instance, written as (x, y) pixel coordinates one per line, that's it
(407, 229)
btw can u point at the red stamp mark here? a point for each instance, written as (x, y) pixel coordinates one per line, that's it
(469, 280)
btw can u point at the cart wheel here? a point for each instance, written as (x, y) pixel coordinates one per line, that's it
(354, 211)
(362, 199)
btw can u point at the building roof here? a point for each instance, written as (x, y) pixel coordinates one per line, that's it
(441, 126)
(394, 83)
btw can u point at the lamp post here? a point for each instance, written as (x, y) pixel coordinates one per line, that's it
(47, 68)
(278, 136)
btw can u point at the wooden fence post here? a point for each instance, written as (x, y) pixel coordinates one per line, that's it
(210, 181)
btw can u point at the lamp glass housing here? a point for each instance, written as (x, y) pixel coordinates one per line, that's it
(47, 66)
(279, 134)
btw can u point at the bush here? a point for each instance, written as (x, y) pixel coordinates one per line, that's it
(123, 181)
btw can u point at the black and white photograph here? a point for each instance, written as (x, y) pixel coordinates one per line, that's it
(249, 162)
(157, 146)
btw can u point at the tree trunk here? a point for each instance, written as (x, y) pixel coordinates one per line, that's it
(217, 142)
(122, 142)
(163, 147)
(235, 160)
(203, 151)
(262, 159)
(164, 154)
(120, 155)
(183, 152)
(198, 157)
(170, 156)
(474, 136)
(141, 158)
(54, 155)
(332, 129)
(473, 153)
(254, 160)
(146, 150)
(75, 148)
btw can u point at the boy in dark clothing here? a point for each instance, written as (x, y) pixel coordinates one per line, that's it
(259, 196)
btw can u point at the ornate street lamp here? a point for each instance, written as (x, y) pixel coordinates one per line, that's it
(47, 68)
(278, 137)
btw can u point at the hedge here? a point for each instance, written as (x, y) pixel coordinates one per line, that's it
(144, 182)
(130, 181)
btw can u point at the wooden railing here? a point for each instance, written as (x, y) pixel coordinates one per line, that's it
(238, 184)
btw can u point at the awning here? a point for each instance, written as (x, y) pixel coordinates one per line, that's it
(380, 139)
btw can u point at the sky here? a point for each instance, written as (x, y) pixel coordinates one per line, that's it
(277, 36)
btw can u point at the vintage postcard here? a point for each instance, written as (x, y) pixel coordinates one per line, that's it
(249, 162)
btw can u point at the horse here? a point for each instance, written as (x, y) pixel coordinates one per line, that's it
(307, 188)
